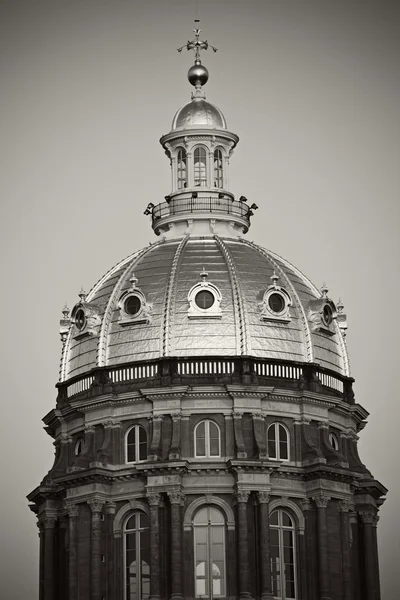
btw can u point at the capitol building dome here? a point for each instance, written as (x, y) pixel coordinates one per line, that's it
(205, 425)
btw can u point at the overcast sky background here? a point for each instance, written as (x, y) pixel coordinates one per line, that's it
(88, 87)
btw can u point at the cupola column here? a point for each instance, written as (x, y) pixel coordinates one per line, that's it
(242, 497)
(41, 559)
(96, 504)
(344, 507)
(190, 169)
(367, 518)
(73, 516)
(265, 555)
(322, 502)
(176, 498)
(49, 523)
(153, 499)
(210, 165)
(174, 173)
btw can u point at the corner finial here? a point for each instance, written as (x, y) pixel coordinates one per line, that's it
(324, 290)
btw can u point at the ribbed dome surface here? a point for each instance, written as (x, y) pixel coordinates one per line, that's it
(165, 272)
(199, 113)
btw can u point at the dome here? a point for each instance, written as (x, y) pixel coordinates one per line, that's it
(165, 277)
(199, 113)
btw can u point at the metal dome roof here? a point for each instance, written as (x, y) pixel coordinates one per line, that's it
(199, 113)
(165, 272)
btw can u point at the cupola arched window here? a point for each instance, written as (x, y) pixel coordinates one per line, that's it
(182, 168)
(136, 444)
(137, 557)
(218, 169)
(334, 441)
(200, 167)
(207, 440)
(278, 442)
(209, 553)
(283, 556)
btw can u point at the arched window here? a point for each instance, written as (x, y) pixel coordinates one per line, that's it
(79, 447)
(283, 556)
(334, 441)
(200, 167)
(137, 557)
(218, 169)
(209, 553)
(278, 442)
(207, 439)
(182, 169)
(136, 444)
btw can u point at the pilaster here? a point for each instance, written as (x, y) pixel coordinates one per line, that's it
(321, 502)
(96, 505)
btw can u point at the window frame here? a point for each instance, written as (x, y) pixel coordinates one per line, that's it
(281, 554)
(203, 180)
(276, 425)
(139, 582)
(136, 427)
(218, 171)
(207, 561)
(207, 444)
(181, 158)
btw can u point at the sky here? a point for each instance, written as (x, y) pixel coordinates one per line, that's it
(87, 87)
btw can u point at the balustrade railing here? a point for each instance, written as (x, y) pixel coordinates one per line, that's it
(245, 370)
(181, 206)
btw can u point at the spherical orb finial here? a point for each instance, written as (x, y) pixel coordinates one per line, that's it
(198, 75)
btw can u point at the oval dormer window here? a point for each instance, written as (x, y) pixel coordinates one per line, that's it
(80, 319)
(204, 299)
(327, 315)
(132, 305)
(276, 302)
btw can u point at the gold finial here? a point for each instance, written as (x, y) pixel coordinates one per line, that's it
(197, 44)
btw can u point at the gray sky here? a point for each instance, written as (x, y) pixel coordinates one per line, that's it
(88, 87)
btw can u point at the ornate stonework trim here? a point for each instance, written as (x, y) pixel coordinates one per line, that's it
(208, 499)
(240, 313)
(124, 512)
(101, 357)
(346, 364)
(170, 300)
(296, 300)
(285, 503)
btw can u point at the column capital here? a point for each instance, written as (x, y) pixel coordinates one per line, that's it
(112, 424)
(323, 425)
(241, 496)
(49, 522)
(344, 506)
(322, 500)
(375, 521)
(258, 416)
(176, 497)
(89, 429)
(367, 516)
(153, 498)
(237, 415)
(306, 504)
(176, 416)
(72, 509)
(64, 439)
(96, 504)
(263, 497)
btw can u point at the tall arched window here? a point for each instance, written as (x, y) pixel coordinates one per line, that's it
(136, 444)
(137, 557)
(200, 167)
(182, 169)
(218, 169)
(283, 556)
(333, 441)
(209, 553)
(207, 439)
(278, 442)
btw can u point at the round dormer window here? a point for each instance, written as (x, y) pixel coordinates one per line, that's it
(276, 302)
(327, 315)
(132, 305)
(80, 319)
(204, 299)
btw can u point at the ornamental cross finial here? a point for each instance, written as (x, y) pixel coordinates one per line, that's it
(197, 44)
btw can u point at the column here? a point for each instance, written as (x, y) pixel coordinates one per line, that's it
(375, 533)
(244, 579)
(343, 508)
(308, 567)
(96, 504)
(176, 498)
(367, 518)
(110, 568)
(41, 559)
(73, 514)
(190, 169)
(154, 500)
(49, 523)
(265, 557)
(322, 501)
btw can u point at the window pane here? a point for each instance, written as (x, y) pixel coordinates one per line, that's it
(283, 451)
(214, 447)
(201, 430)
(143, 451)
(283, 437)
(274, 518)
(286, 520)
(216, 516)
(201, 447)
(201, 517)
(271, 448)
